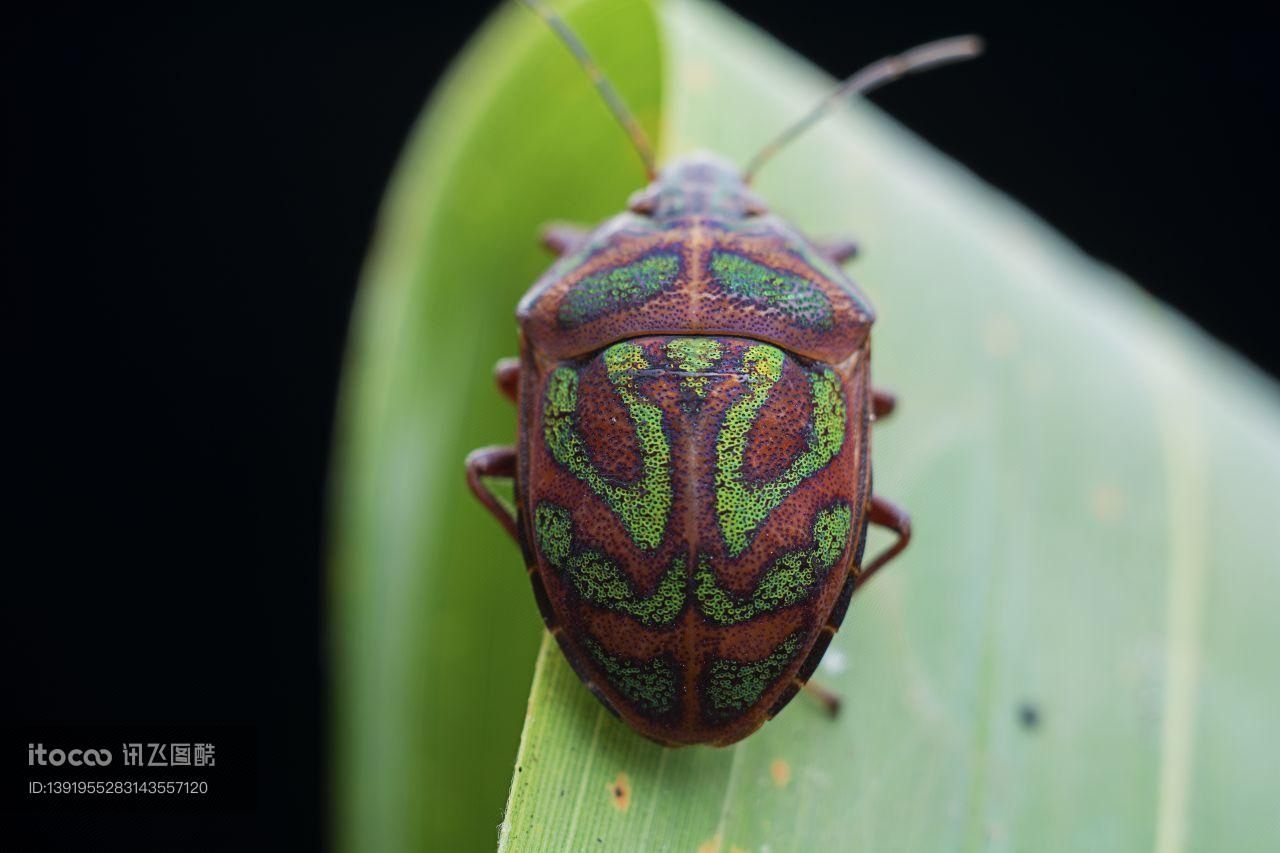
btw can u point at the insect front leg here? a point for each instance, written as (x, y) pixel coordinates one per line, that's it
(506, 373)
(498, 463)
(564, 239)
(885, 513)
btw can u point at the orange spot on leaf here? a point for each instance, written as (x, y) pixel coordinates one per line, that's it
(781, 772)
(620, 792)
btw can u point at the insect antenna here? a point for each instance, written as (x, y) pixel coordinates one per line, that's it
(602, 84)
(875, 75)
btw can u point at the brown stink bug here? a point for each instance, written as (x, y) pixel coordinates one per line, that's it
(693, 474)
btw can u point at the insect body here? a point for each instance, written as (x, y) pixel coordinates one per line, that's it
(693, 474)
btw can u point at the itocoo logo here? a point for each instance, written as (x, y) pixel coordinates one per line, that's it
(37, 754)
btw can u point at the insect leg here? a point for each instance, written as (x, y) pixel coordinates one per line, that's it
(564, 239)
(838, 251)
(886, 513)
(882, 403)
(497, 462)
(829, 699)
(507, 374)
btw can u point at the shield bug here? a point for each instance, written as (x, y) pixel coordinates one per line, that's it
(693, 475)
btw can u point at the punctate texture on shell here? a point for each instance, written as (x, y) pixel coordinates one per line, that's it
(694, 508)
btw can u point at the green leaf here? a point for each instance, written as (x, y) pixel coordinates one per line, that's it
(1078, 650)
(1092, 483)
(435, 630)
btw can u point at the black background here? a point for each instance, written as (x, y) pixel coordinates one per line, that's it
(188, 195)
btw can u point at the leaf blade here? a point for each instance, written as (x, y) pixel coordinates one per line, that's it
(1030, 582)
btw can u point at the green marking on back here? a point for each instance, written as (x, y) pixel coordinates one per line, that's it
(734, 686)
(650, 684)
(742, 507)
(694, 355)
(599, 580)
(618, 288)
(794, 296)
(643, 506)
(790, 579)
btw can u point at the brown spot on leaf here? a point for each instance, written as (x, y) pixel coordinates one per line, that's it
(620, 792)
(710, 846)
